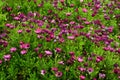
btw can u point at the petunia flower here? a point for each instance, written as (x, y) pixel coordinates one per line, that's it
(58, 74)
(55, 69)
(43, 72)
(90, 70)
(80, 59)
(82, 77)
(61, 62)
(58, 50)
(7, 57)
(71, 37)
(38, 31)
(13, 49)
(23, 52)
(48, 52)
(20, 31)
(0, 61)
(102, 75)
(84, 10)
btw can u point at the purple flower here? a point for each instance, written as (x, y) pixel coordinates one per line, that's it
(38, 31)
(16, 18)
(43, 72)
(68, 14)
(61, 62)
(48, 52)
(25, 46)
(0, 61)
(71, 37)
(81, 69)
(58, 74)
(101, 75)
(58, 50)
(55, 69)
(90, 70)
(80, 59)
(20, 31)
(23, 52)
(84, 10)
(13, 49)
(71, 53)
(7, 57)
(99, 58)
(82, 77)
(40, 55)
(7, 25)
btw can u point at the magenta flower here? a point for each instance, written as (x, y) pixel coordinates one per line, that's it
(16, 18)
(101, 75)
(7, 25)
(82, 77)
(68, 14)
(38, 31)
(20, 31)
(99, 59)
(58, 74)
(71, 37)
(80, 59)
(90, 70)
(110, 29)
(13, 49)
(25, 46)
(40, 55)
(84, 10)
(71, 53)
(48, 52)
(61, 62)
(43, 72)
(0, 61)
(81, 69)
(58, 50)
(55, 69)
(23, 52)
(7, 57)
(62, 1)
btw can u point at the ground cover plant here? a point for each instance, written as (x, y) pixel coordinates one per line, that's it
(59, 40)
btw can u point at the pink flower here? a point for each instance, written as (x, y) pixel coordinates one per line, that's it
(101, 75)
(23, 52)
(16, 18)
(62, 1)
(71, 37)
(40, 55)
(43, 72)
(48, 52)
(58, 74)
(58, 50)
(90, 70)
(25, 46)
(7, 25)
(84, 10)
(13, 49)
(80, 59)
(0, 61)
(38, 31)
(7, 57)
(68, 14)
(55, 69)
(81, 69)
(82, 77)
(81, 0)
(61, 62)
(20, 31)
